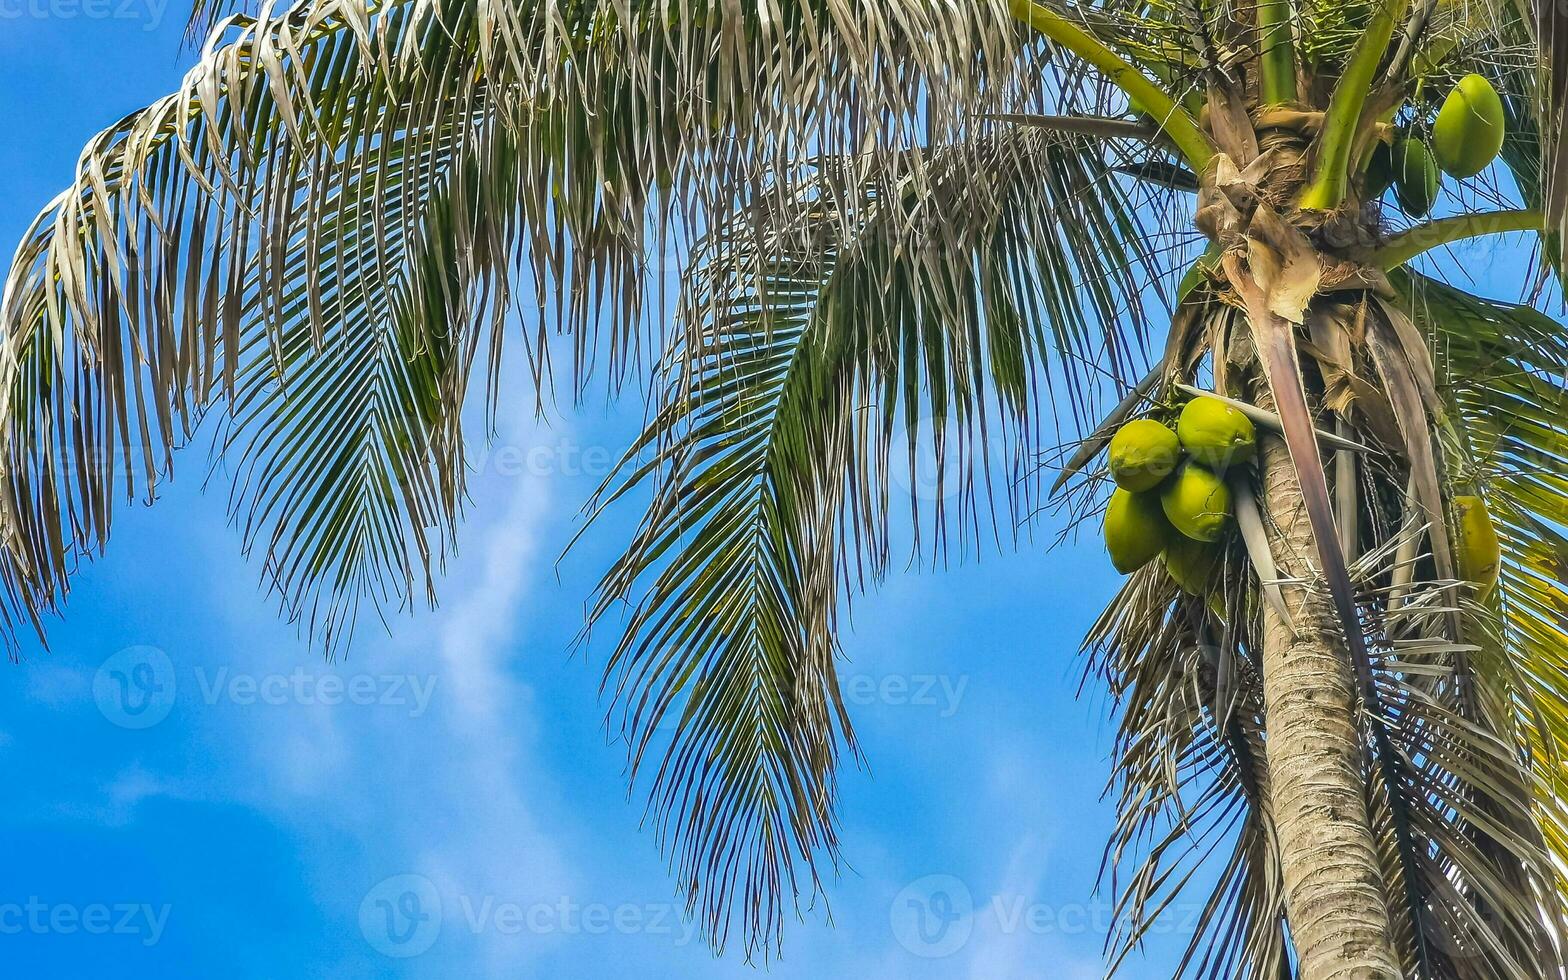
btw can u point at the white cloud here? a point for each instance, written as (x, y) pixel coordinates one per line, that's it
(448, 789)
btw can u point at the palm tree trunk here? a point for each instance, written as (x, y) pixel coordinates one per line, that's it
(1335, 898)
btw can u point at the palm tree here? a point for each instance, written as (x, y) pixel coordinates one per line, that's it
(904, 226)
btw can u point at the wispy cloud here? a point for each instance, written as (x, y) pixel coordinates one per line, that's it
(452, 799)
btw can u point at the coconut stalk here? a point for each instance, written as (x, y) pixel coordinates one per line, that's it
(1173, 120)
(1347, 508)
(1409, 244)
(1277, 60)
(1332, 178)
(1249, 521)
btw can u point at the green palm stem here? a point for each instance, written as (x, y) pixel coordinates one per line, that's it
(1423, 238)
(1278, 60)
(1175, 121)
(1332, 178)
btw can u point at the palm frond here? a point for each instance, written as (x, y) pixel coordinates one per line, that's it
(190, 263)
(347, 451)
(1545, 26)
(223, 250)
(289, 286)
(1507, 363)
(810, 360)
(185, 243)
(1191, 778)
(207, 16)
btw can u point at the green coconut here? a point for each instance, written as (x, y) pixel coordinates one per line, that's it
(1380, 171)
(1416, 179)
(1142, 453)
(1216, 434)
(1196, 502)
(1469, 130)
(1480, 556)
(1135, 529)
(1191, 563)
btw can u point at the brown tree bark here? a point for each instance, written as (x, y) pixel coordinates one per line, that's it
(1335, 896)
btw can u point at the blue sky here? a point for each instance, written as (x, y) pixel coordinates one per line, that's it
(267, 814)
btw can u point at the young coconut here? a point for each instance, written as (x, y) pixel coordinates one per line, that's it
(1142, 453)
(1380, 171)
(1196, 502)
(1135, 529)
(1216, 434)
(1469, 130)
(1191, 564)
(1480, 556)
(1416, 180)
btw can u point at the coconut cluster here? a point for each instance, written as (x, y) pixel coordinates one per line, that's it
(1172, 502)
(1466, 137)
(1171, 499)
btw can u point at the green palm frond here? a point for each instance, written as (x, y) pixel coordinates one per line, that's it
(346, 453)
(731, 656)
(1508, 363)
(1545, 27)
(188, 268)
(300, 238)
(342, 398)
(187, 239)
(811, 359)
(1190, 779)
